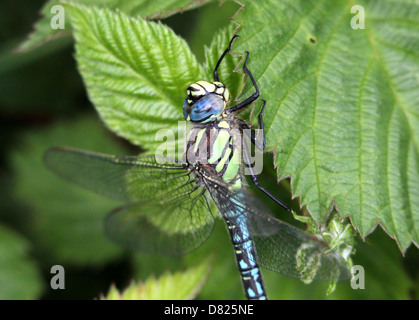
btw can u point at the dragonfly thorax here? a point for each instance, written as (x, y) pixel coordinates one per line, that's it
(216, 147)
(205, 101)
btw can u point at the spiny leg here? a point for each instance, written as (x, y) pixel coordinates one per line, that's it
(252, 136)
(252, 174)
(253, 97)
(216, 77)
(260, 120)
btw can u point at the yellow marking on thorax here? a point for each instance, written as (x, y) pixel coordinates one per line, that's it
(237, 185)
(198, 139)
(218, 145)
(224, 124)
(221, 164)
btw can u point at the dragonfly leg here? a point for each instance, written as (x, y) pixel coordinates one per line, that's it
(253, 97)
(252, 136)
(255, 179)
(216, 77)
(260, 120)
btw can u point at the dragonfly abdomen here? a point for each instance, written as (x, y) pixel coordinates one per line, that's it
(244, 249)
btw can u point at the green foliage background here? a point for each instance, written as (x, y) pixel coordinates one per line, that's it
(304, 56)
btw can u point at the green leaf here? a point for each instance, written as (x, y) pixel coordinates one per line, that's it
(136, 72)
(156, 9)
(342, 110)
(43, 32)
(182, 285)
(19, 275)
(68, 221)
(211, 21)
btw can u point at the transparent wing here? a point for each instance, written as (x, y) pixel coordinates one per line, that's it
(171, 226)
(125, 178)
(281, 247)
(168, 212)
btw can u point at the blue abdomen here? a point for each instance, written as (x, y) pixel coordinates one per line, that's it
(244, 249)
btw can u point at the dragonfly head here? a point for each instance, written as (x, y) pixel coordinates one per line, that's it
(205, 101)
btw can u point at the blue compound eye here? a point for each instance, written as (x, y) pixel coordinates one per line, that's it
(206, 108)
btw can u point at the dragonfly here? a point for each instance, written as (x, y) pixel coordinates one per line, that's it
(167, 202)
